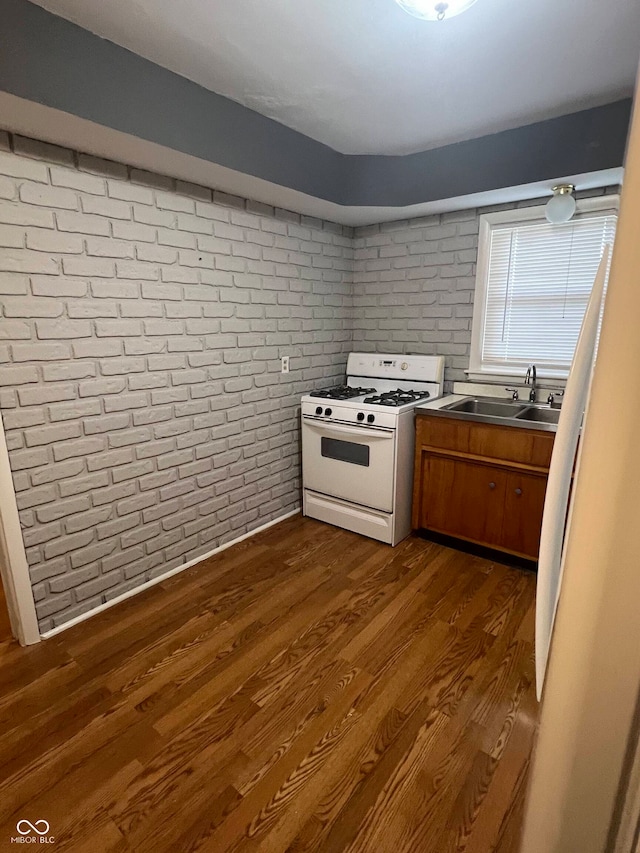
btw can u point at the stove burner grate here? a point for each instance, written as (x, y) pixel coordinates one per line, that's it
(341, 392)
(397, 398)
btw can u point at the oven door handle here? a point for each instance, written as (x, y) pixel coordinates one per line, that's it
(367, 433)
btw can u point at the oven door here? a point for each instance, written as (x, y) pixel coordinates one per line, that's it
(349, 462)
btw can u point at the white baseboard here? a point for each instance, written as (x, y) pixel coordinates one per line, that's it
(130, 593)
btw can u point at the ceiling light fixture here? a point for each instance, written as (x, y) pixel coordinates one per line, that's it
(435, 10)
(562, 205)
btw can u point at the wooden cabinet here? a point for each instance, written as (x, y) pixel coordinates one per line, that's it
(481, 483)
(463, 498)
(522, 514)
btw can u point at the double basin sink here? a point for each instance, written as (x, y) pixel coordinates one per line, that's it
(495, 410)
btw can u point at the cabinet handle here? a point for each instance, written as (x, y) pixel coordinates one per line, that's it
(518, 491)
(492, 485)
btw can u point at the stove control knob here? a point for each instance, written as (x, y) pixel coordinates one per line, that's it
(318, 410)
(360, 416)
(327, 412)
(371, 418)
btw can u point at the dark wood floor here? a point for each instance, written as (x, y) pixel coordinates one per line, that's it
(308, 689)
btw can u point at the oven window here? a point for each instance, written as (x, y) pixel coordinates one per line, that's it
(345, 451)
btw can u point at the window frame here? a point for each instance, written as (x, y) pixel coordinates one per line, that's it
(532, 215)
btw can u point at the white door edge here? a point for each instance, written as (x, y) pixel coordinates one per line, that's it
(14, 568)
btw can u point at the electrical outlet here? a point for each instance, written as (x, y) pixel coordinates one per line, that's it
(284, 362)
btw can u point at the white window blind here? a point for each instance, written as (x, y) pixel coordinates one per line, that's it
(537, 282)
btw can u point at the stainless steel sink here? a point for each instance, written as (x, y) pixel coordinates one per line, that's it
(539, 415)
(481, 406)
(497, 410)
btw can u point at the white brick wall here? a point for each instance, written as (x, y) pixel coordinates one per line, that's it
(142, 324)
(413, 287)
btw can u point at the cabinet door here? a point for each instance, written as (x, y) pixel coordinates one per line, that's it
(523, 505)
(463, 499)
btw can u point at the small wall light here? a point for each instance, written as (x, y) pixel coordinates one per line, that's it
(562, 205)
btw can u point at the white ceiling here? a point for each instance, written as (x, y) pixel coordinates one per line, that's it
(363, 76)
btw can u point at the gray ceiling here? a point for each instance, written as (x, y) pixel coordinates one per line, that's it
(362, 76)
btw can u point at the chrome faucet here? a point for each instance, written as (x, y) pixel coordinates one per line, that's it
(530, 379)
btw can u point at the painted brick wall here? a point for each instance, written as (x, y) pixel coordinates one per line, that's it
(413, 287)
(142, 325)
(414, 283)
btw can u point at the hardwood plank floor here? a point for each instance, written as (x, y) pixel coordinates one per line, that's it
(305, 690)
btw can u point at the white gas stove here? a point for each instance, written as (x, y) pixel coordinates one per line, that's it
(358, 442)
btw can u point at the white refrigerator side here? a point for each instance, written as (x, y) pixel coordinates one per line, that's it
(581, 777)
(556, 506)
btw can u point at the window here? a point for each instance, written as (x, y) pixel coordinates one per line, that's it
(533, 285)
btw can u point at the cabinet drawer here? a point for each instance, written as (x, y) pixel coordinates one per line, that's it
(508, 444)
